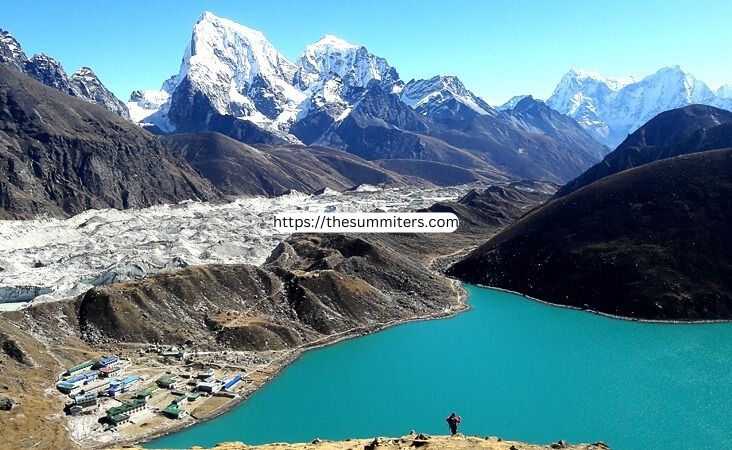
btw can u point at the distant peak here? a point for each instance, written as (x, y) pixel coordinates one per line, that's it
(84, 72)
(209, 19)
(725, 91)
(612, 83)
(330, 40)
(673, 69)
(527, 98)
(512, 102)
(208, 16)
(528, 101)
(43, 57)
(581, 73)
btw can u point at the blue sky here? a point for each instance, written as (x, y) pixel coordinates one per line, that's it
(498, 48)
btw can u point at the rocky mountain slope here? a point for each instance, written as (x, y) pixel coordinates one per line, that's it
(680, 131)
(83, 83)
(61, 155)
(236, 168)
(647, 243)
(441, 174)
(340, 95)
(612, 108)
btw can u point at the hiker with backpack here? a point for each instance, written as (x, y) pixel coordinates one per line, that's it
(452, 421)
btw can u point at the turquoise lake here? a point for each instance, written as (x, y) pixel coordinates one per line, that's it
(511, 367)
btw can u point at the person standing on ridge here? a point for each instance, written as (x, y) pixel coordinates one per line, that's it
(452, 421)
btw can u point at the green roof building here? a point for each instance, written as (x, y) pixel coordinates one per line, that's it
(167, 381)
(118, 418)
(147, 392)
(122, 413)
(180, 400)
(174, 352)
(172, 411)
(79, 367)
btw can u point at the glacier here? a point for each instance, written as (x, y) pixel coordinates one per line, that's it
(49, 259)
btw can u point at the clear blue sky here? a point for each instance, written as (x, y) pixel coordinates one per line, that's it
(498, 48)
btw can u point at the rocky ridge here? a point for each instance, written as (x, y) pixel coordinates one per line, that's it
(83, 83)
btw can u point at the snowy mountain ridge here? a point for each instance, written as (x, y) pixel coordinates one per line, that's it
(234, 70)
(331, 57)
(432, 97)
(612, 108)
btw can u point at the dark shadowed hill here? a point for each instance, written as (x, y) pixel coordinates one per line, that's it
(61, 155)
(680, 131)
(652, 242)
(236, 168)
(497, 205)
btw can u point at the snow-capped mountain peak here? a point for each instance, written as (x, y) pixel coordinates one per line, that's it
(441, 96)
(612, 108)
(512, 102)
(227, 69)
(590, 76)
(224, 54)
(230, 71)
(332, 41)
(354, 64)
(724, 91)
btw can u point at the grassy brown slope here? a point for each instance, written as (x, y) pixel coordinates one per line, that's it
(236, 168)
(649, 243)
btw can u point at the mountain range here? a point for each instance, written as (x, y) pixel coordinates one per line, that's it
(343, 116)
(681, 131)
(613, 108)
(340, 95)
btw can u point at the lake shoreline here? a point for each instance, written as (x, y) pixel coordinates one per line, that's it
(458, 307)
(604, 314)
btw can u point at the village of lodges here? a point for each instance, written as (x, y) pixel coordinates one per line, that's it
(116, 390)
